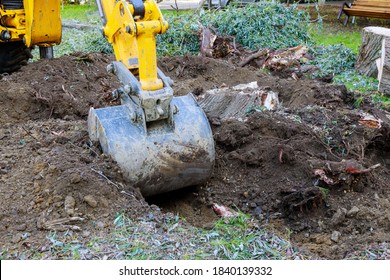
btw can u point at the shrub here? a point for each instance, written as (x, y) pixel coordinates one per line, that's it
(258, 25)
(333, 59)
(262, 25)
(181, 37)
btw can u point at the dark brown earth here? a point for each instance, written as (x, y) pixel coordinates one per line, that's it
(50, 172)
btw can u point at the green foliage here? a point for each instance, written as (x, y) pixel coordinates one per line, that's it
(259, 25)
(382, 99)
(332, 60)
(238, 238)
(262, 25)
(74, 40)
(182, 36)
(324, 192)
(355, 82)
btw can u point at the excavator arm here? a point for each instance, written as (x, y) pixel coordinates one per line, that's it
(131, 27)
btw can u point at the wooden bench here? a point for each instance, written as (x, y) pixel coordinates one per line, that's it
(365, 8)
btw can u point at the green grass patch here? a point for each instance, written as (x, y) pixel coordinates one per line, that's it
(382, 99)
(350, 39)
(239, 238)
(167, 237)
(80, 13)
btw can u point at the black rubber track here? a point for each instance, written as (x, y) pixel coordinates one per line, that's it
(13, 55)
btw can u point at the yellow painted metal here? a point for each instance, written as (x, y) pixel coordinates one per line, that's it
(13, 22)
(134, 38)
(43, 22)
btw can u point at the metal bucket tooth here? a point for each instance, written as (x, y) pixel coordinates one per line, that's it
(161, 156)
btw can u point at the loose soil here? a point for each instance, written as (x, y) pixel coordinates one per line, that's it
(52, 178)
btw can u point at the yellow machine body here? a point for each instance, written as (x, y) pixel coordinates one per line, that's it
(37, 24)
(43, 22)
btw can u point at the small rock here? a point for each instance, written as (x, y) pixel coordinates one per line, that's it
(246, 194)
(100, 224)
(385, 202)
(70, 204)
(86, 233)
(21, 227)
(90, 200)
(258, 211)
(353, 211)
(3, 171)
(335, 236)
(252, 205)
(45, 248)
(339, 217)
(150, 216)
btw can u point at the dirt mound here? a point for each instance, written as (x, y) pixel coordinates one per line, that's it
(59, 88)
(311, 166)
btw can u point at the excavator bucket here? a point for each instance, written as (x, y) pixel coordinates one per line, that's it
(158, 156)
(161, 143)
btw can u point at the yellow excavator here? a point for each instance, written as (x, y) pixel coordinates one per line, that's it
(160, 142)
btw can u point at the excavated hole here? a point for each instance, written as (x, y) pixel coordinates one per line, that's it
(187, 204)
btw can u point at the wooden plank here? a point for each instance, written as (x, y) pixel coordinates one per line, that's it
(355, 7)
(367, 13)
(365, 2)
(374, 6)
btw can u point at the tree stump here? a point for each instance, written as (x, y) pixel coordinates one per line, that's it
(370, 50)
(237, 102)
(384, 68)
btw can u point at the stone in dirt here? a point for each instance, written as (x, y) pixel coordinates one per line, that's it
(91, 201)
(335, 236)
(339, 217)
(353, 211)
(69, 205)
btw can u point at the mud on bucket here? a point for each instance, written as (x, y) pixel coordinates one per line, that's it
(161, 156)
